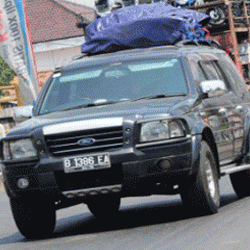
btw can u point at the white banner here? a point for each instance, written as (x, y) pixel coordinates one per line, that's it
(16, 48)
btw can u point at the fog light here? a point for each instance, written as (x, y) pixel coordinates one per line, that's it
(23, 183)
(164, 164)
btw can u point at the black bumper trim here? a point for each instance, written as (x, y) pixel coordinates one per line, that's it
(93, 191)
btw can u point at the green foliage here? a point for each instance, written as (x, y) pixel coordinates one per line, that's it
(6, 73)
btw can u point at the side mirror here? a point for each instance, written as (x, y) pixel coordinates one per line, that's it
(212, 88)
(23, 113)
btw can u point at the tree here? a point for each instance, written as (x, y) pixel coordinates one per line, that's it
(6, 73)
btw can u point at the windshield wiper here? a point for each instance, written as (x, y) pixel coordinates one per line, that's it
(112, 102)
(157, 97)
(89, 105)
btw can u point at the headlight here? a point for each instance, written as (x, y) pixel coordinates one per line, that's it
(176, 129)
(162, 130)
(18, 149)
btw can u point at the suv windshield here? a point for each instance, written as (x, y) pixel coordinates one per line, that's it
(116, 82)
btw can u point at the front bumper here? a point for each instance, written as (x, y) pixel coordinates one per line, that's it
(132, 170)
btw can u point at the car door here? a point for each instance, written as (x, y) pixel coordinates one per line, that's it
(241, 102)
(215, 110)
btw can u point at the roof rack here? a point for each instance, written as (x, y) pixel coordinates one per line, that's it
(211, 43)
(208, 42)
(77, 57)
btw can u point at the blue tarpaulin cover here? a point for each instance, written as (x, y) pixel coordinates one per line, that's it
(143, 26)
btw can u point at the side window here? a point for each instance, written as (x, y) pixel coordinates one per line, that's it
(208, 75)
(216, 84)
(232, 75)
(213, 72)
(197, 72)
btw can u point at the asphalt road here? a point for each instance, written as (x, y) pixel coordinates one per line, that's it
(148, 223)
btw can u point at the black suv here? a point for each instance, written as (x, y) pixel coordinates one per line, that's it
(162, 120)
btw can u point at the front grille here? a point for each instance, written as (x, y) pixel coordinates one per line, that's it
(65, 144)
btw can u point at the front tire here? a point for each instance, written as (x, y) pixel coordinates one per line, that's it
(201, 192)
(35, 218)
(104, 206)
(241, 183)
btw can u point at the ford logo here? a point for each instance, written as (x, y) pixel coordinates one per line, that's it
(86, 142)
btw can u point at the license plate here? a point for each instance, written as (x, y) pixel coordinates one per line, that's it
(86, 162)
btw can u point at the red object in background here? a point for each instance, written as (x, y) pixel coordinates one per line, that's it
(223, 41)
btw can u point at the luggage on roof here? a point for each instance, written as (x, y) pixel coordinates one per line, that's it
(143, 26)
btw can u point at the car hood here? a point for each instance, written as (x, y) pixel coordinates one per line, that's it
(132, 110)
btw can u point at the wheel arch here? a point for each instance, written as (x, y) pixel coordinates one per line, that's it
(246, 145)
(208, 136)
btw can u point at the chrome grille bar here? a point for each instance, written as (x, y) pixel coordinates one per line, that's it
(66, 144)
